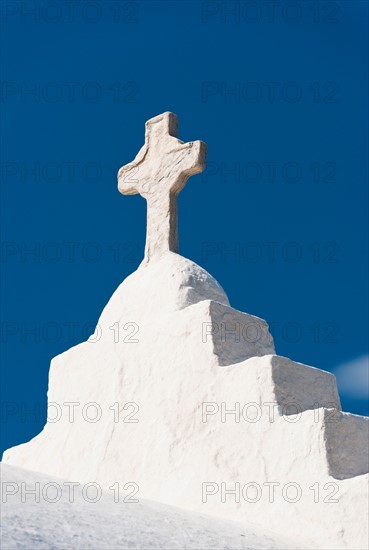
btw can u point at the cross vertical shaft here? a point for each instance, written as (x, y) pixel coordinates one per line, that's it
(162, 224)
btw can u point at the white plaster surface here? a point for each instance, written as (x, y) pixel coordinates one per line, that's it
(173, 370)
(74, 521)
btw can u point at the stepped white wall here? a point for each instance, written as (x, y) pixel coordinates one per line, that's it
(175, 353)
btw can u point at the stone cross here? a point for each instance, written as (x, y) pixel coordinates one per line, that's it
(158, 173)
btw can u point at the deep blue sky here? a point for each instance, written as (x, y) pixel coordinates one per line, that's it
(184, 57)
